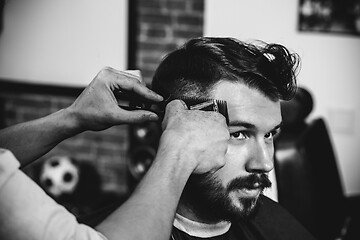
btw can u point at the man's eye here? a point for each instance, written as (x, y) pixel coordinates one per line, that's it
(238, 135)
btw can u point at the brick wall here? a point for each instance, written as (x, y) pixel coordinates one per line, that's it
(161, 26)
(164, 25)
(106, 150)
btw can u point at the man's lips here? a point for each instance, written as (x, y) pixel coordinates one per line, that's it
(245, 193)
(248, 192)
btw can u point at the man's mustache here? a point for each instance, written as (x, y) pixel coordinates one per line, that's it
(250, 182)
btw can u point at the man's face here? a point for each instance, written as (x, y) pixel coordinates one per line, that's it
(232, 191)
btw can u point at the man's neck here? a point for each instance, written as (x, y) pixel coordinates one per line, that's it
(187, 220)
(188, 212)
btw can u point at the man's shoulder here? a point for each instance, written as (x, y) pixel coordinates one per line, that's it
(272, 221)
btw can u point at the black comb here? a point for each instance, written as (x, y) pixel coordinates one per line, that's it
(193, 103)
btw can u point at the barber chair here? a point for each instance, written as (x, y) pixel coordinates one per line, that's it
(308, 181)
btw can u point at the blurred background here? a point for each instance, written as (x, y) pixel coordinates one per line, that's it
(50, 50)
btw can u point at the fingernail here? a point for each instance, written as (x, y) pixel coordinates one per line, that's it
(153, 117)
(159, 97)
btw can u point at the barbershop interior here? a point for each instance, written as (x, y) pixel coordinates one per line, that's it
(51, 50)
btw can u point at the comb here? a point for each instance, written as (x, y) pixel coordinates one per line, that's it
(193, 103)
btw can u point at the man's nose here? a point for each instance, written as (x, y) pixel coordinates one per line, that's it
(261, 158)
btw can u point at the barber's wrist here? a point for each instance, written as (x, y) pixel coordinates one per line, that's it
(177, 156)
(71, 121)
(171, 168)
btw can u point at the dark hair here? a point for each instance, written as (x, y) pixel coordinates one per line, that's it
(194, 68)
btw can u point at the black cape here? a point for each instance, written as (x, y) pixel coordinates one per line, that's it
(270, 222)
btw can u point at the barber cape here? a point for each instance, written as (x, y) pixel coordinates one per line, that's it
(270, 222)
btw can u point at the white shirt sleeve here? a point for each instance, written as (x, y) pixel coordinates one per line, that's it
(27, 212)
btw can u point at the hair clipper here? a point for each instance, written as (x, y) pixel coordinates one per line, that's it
(193, 103)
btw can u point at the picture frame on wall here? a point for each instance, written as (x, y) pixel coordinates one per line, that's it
(329, 16)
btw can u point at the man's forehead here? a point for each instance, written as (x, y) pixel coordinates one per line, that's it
(247, 104)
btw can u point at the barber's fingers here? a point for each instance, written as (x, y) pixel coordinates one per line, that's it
(135, 73)
(136, 116)
(130, 81)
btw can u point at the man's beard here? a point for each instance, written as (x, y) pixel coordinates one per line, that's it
(210, 201)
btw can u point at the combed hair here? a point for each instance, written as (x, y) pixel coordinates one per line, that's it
(194, 68)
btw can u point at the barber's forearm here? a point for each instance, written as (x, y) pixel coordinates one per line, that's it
(26, 212)
(30, 140)
(149, 212)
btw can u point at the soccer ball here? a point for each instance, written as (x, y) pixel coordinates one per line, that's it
(59, 176)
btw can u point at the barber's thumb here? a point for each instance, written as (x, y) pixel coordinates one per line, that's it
(175, 106)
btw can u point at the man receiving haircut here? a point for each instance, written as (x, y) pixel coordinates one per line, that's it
(253, 79)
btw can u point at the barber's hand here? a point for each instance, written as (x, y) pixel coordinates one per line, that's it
(97, 108)
(198, 138)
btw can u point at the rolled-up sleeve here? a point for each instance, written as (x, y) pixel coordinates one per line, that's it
(27, 212)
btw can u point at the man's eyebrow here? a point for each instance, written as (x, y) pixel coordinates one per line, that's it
(250, 125)
(244, 124)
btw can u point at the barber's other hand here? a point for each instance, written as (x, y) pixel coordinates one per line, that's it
(97, 108)
(198, 138)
